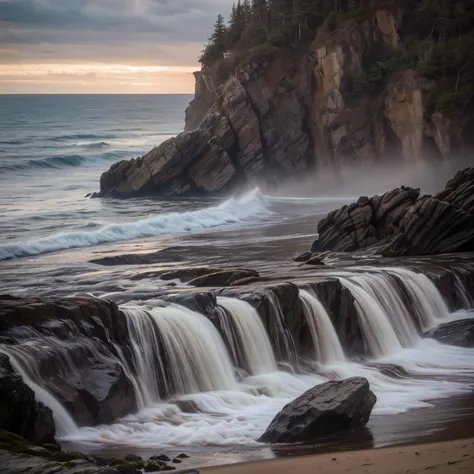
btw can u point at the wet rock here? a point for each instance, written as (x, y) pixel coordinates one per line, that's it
(20, 412)
(182, 456)
(177, 461)
(54, 448)
(456, 333)
(86, 328)
(401, 223)
(154, 466)
(161, 457)
(133, 458)
(224, 277)
(304, 257)
(328, 408)
(365, 222)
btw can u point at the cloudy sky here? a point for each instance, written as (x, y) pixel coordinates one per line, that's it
(103, 46)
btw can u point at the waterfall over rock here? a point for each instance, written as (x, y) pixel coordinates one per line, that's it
(379, 333)
(253, 338)
(328, 349)
(198, 358)
(172, 369)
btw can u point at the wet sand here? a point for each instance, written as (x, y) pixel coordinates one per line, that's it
(447, 457)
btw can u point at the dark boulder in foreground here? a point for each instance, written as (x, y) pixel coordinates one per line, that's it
(20, 412)
(455, 333)
(400, 222)
(328, 408)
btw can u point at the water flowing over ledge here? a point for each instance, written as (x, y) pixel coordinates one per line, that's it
(207, 370)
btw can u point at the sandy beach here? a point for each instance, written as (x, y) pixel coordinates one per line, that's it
(446, 457)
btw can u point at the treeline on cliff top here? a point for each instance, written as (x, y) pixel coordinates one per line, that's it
(437, 40)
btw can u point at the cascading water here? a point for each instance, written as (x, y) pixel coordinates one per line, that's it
(181, 355)
(428, 302)
(287, 344)
(252, 336)
(23, 361)
(378, 331)
(199, 361)
(327, 346)
(383, 290)
(145, 345)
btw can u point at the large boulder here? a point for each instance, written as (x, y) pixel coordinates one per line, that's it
(455, 333)
(328, 408)
(20, 412)
(401, 223)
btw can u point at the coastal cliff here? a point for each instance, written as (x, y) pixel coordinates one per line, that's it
(346, 95)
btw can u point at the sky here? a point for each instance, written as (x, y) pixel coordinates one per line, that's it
(103, 46)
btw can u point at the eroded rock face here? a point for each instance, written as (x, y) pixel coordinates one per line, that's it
(328, 408)
(204, 97)
(255, 131)
(79, 367)
(401, 223)
(456, 333)
(365, 222)
(20, 412)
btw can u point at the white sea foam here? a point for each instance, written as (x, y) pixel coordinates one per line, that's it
(231, 211)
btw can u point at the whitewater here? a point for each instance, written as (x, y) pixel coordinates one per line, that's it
(232, 211)
(233, 407)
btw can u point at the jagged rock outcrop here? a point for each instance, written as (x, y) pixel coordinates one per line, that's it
(401, 222)
(20, 412)
(204, 96)
(455, 333)
(85, 331)
(256, 131)
(328, 408)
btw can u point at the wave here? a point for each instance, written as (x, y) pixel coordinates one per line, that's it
(81, 136)
(93, 145)
(231, 211)
(50, 162)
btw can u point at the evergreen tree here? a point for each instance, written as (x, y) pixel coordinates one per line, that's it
(217, 42)
(218, 37)
(306, 15)
(281, 12)
(236, 25)
(260, 16)
(247, 12)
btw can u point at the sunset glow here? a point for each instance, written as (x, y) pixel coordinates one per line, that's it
(95, 79)
(103, 46)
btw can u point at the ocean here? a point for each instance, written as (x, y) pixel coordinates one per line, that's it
(53, 150)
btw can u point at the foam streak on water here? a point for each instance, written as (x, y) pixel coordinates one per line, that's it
(232, 211)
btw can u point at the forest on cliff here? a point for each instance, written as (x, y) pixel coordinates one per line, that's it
(436, 41)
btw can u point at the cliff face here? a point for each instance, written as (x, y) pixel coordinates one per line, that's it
(285, 113)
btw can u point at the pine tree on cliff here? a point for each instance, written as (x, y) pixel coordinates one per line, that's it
(247, 12)
(260, 16)
(281, 12)
(219, 35)
(306, 15)
(236, 25)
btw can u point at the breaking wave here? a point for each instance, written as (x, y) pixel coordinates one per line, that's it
(231, 211)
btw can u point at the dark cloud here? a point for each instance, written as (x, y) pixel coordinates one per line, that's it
(106, 30)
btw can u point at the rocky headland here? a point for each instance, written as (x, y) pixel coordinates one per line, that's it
(357, 93)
